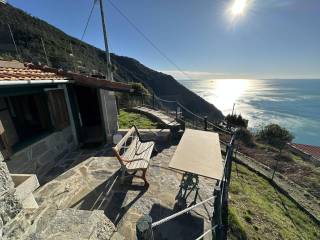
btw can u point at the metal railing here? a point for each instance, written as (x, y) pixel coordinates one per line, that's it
(176, 110)
(182, 114)
(145, 226)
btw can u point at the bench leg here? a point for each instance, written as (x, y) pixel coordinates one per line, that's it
(146, 184)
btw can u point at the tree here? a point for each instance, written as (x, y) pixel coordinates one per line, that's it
(245, 136)
(236, 121)
(277, 137)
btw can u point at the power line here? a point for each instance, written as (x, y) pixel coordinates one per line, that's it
(90, 15)
(148, 39)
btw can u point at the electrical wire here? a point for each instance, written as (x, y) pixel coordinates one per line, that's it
(163, 54)
(88, 21)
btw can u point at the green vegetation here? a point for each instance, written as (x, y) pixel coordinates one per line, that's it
(246, 137)
(128, 119)
(275, 135)
(258, 211)
(235, 120)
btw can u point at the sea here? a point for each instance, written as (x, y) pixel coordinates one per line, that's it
(293, 104)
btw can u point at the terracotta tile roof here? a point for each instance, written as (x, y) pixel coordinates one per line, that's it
(16, 71)
(309, 149)
(13, 71)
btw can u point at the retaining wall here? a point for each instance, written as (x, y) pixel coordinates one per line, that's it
(40, 157)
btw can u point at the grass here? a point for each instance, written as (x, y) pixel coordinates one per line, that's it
(128, 119)
(304, 173)
(258, 211)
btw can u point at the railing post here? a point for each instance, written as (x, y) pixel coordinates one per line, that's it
(217, 214)
(225, 191)
(143, 228)
(205, 123)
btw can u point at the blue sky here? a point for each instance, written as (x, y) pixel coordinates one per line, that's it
(272, 39)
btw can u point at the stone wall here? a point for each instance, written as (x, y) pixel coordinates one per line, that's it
(9, 204)
(109, 113)
(40, 157)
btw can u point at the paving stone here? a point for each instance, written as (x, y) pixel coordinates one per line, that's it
(87, 187)
(74, 224)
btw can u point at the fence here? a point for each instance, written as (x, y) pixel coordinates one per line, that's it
(176, 110)
(145, 226)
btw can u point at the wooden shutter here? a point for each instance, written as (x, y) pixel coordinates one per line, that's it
(58, 109)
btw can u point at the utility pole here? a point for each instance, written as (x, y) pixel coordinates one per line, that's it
(233, 108)
(108, 99)
(105, 36)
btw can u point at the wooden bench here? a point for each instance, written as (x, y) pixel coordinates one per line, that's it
(134, 154)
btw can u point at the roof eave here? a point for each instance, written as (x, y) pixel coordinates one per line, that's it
(33, 82)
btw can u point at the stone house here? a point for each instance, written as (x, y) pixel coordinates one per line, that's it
(46, 113)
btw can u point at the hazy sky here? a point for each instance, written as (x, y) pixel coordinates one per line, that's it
(272, 39)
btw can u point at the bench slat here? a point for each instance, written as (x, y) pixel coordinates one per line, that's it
(136, 155)
(124, 139)
(131, 151)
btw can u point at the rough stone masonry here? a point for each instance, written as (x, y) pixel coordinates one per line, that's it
(9, 204)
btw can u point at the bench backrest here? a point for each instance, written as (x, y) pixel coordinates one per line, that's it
(131, 137)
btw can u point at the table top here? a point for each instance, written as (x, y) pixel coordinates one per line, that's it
(199, 153)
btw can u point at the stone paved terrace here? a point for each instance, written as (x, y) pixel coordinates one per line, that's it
(90, 182)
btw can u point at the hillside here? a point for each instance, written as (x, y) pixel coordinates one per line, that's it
(70, 53)
(259, 211)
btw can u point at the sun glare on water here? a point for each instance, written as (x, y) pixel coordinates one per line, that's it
(225, 92)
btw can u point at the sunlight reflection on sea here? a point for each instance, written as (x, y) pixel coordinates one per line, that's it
(294, 104)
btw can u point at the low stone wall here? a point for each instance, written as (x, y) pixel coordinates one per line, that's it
(159, 135)
(40, 157)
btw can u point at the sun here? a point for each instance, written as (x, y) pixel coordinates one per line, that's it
(238, 7)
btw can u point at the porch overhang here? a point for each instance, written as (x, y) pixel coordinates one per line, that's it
(83, 80)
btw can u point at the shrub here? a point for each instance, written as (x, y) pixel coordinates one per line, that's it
(246, 137)
(139, 89)
(275, 135)
(236, 121)
(128, 100)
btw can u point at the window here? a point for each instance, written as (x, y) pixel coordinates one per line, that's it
(30, 115)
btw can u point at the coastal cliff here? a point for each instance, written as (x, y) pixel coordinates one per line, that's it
(66, 52)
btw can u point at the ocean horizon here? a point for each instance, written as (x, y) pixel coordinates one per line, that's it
(291, 103)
